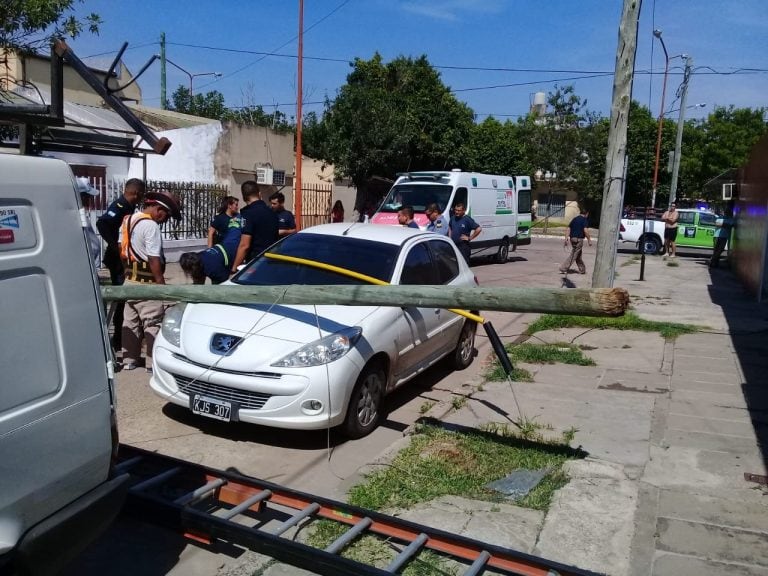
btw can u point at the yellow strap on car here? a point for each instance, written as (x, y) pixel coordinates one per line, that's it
(357, 275)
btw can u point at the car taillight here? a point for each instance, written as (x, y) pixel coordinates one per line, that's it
(621, 228)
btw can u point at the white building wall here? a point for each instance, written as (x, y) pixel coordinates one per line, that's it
(189, 159)
(116, 166)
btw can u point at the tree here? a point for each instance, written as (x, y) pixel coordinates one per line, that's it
(254, 115)
(721, 142)
(210, 105)
(27, 25)
(496, 148)
(569, 140)
(394, 117)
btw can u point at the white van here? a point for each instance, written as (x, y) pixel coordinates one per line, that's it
(501, 205)
(58, 432)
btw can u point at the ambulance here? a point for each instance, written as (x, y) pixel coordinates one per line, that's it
(501, 205)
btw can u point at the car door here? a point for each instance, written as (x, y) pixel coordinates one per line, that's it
(686, 228)
(423, 326)
(448, 270)
(705, 230)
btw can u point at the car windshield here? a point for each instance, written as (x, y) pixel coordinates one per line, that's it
(374, 259)
(416, 195)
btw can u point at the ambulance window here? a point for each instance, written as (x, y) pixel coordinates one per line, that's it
(460, 197)
(524, 202)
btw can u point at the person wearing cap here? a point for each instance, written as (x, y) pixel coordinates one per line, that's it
(87, 192)
(437, 223)
(108, 225)
(141, 250)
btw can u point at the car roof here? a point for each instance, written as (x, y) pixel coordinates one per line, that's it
(385, 233)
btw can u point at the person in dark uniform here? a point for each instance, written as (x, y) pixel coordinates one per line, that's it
(463, 229)
(286, 223)
(260, 229)
(108, 225)
(405, 217)
(213, 263)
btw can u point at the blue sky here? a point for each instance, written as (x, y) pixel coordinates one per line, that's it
(564, 40)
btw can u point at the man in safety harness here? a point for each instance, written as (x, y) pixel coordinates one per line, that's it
(141, 250)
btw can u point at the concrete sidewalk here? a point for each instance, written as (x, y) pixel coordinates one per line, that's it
(670, 428)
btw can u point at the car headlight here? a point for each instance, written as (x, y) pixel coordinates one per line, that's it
(171, 328)
(322, 351)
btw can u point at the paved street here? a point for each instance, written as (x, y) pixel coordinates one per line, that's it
(670, 429)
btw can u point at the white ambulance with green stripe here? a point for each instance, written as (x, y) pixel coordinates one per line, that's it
(501, 205)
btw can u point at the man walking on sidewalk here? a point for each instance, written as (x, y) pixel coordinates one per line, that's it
(578, 230)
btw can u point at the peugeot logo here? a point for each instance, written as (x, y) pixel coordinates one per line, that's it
(223, 344)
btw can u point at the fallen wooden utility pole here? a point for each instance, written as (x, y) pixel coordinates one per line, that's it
(585, 302)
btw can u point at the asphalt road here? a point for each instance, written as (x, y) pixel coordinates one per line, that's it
(319, 462)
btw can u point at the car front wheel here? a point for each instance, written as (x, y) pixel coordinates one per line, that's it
(365, 404)
(465, 347)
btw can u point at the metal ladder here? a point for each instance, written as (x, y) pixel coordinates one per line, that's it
(212, 506)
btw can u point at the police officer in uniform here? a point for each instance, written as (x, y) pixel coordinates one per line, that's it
(108, 225)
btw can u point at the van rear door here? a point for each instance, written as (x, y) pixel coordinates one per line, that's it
(55, 398)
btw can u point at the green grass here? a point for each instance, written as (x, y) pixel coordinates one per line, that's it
(540, 224)
(441, 462)
(537, 354)
(629, 321)
(559, 352)
(496, 373)
(632, 260)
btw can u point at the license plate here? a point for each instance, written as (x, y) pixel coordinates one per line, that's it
(211, 407)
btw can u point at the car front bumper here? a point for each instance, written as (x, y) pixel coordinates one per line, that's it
(277, 398)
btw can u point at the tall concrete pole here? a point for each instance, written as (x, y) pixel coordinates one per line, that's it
(680, 123)
(613, 185)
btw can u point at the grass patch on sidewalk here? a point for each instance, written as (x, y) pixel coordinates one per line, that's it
(559, 352)
(630, 321)
(440, 462)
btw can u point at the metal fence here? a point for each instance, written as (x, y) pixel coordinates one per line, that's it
(315, 204)
(199, 202)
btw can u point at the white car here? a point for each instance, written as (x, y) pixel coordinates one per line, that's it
(311, 367)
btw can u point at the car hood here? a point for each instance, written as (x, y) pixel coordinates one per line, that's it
(268, 332)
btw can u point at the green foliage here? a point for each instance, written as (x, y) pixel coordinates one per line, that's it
(394, 117)
(722, 142)
(628, 321)
(28, 25)
(209, 105)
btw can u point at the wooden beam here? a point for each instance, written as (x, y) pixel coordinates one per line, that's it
(594, 302)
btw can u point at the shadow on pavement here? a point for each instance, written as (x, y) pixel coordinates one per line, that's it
(748, 326)
(308, 439)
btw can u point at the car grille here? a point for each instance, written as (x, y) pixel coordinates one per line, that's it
(244, 398)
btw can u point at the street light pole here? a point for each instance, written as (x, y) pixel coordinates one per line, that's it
(657, 34)
(680, 122)
(191, 76)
